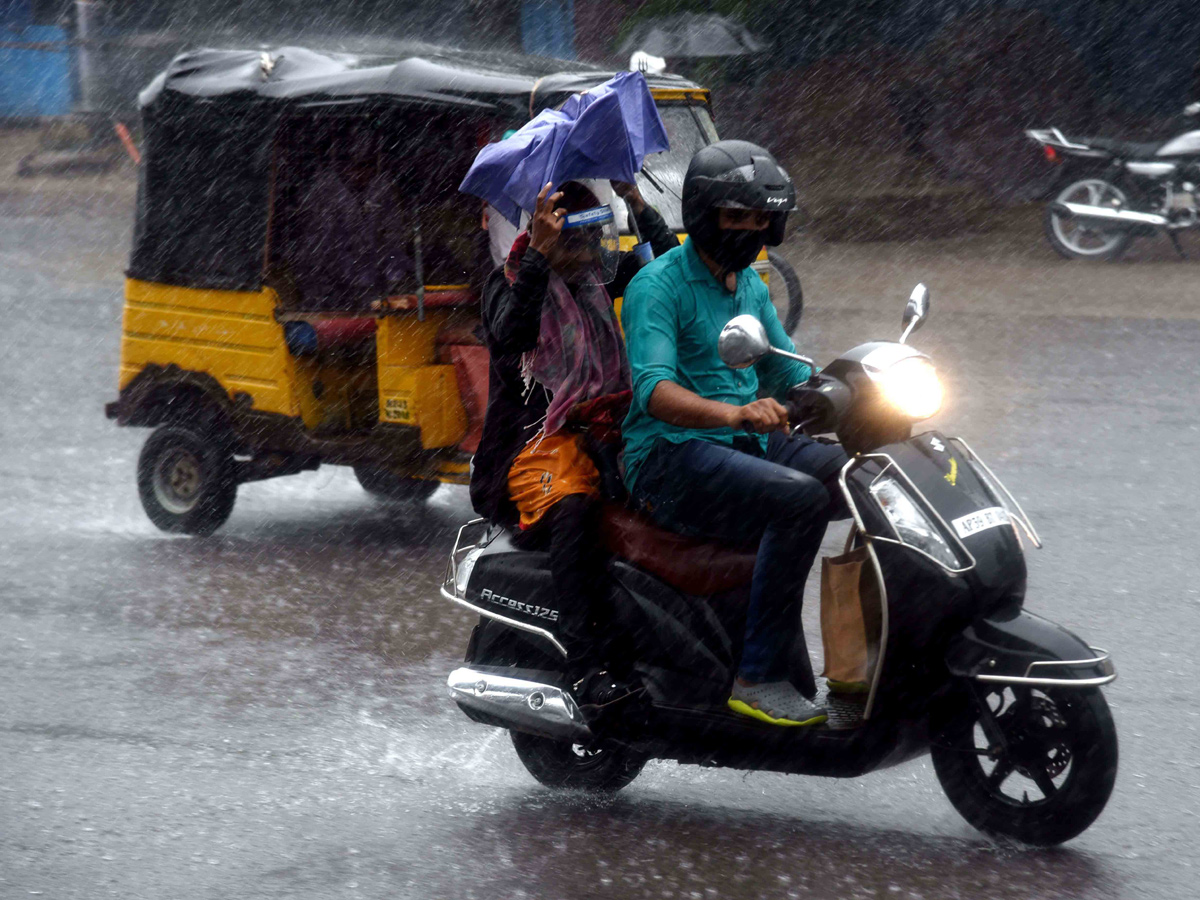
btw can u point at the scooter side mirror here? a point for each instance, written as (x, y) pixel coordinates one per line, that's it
(743, 342)
(915, 312)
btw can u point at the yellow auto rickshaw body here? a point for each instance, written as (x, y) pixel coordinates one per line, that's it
(212, 308)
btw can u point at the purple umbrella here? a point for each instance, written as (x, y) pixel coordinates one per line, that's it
(602, 133)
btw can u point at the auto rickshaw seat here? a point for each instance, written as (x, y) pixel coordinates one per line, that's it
(693, 566)
(345, 331)
(337, 335)
(436, 299)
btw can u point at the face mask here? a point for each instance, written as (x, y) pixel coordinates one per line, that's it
(737, 248)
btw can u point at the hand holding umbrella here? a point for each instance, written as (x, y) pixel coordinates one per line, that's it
(546, 224)
(628, 191)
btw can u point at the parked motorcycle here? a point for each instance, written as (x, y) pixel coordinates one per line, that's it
(1119, 190)
(1008, 704)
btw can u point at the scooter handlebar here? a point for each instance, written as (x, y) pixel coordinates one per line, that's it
(794, 415)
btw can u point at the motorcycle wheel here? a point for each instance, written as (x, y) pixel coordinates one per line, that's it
(1058, 743)
(561, 764)
(1076, 240)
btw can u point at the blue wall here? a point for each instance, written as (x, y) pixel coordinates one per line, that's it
(35, 70)
(548, 28)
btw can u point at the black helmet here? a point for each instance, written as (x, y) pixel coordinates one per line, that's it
(740, 175)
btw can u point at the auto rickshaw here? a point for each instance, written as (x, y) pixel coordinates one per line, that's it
(240, 347)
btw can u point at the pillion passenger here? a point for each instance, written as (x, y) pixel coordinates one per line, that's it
(558, 388)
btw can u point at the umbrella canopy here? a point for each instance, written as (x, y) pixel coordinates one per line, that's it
(602, 133)
(689, 35)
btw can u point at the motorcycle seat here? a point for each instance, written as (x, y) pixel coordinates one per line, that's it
(692, 566)
(1125, 149)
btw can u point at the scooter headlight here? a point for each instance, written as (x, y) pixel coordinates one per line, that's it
(912, 387)
(912, 526)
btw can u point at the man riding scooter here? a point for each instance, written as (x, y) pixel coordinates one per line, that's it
(704, 455)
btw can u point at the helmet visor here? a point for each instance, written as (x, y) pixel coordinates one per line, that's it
(588, 246)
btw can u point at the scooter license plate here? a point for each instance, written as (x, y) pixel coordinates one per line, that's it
(980, 520)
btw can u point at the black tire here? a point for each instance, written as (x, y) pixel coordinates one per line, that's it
(1065, 751)
(791, 308)
(560, 764)
(1113, 242)
(186, 480)
(385, 485)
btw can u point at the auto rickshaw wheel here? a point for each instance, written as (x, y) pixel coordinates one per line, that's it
(786, 293)
(385, 485)
(186, 480)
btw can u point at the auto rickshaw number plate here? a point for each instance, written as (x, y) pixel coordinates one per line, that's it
(397, 409)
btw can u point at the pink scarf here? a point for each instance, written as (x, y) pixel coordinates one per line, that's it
(580, 353)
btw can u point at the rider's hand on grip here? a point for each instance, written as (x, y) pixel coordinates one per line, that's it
(761, 416)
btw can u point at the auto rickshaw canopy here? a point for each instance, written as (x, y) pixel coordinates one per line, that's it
(209, 124)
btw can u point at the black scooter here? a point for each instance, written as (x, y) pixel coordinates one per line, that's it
(1008, 704)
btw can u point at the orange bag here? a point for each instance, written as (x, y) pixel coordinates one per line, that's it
(548, 469)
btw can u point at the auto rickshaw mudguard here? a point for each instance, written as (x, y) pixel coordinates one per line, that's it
(161, 393)
(1023, 649)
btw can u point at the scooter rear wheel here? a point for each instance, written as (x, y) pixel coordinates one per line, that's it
(561, 764)
(1058, 744)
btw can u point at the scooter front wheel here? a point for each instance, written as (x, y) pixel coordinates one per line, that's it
(561, 764)
(1037, 765)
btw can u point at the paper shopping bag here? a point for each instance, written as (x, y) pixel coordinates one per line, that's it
(851, 620)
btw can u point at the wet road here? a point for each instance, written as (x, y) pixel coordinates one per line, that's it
(262, 714)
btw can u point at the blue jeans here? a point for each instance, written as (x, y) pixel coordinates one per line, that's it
(780, 502)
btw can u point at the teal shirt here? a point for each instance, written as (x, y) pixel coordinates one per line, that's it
(673, 312)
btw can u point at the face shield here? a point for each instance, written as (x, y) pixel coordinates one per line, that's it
(588, 246)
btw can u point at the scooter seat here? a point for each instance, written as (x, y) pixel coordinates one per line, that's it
(689, 565)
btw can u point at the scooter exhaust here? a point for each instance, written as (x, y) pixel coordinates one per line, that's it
(1110, 216)
(529, 706)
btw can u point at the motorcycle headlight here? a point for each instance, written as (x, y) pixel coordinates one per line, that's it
(912, 525)
(912, 387)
